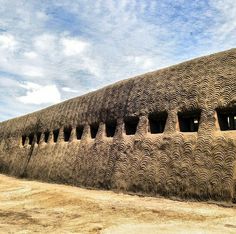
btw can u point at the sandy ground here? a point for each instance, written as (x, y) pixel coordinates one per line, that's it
(34, 207)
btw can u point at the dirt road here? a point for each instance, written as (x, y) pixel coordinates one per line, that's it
(34, 207)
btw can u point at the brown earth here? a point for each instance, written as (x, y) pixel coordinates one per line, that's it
(35, 207)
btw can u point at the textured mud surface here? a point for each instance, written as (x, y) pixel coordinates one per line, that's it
(198, 165)
(34, 207)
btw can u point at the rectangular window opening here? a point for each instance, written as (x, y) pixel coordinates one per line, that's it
(227, 119)
(67, 133)
(79, 132)
(38, 137)
(189, 121)
(110, 128)
(46, 136)
(131, 124)
(157, 122)
(23, 140)
(94, 130)
(55, 135)
(31, 138)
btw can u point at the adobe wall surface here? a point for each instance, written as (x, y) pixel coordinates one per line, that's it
(198, 164)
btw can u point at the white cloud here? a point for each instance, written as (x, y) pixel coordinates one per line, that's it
(141, 61)
(7, 41)
(7, 83)
(30, 86)
(41, 16)
(32, 71)
(30, 55)
(73, 46)
(38, 94)
(44, 42)
(67, 89)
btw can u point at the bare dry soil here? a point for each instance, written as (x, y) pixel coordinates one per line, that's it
(35, 207)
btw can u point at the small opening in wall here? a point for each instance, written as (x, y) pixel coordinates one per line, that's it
(31, 138)
(94, 130)
(189, 121)
(131, 124)
(110, 128)
(79, 132)
(38, 137)
(23, 140)
(157, 122)
(67, 133)
(227, 119)
(55, 135)
(46, 136)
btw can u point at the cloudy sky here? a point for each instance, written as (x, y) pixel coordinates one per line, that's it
(52, 50)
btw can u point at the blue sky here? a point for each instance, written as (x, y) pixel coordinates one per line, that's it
(55, 50)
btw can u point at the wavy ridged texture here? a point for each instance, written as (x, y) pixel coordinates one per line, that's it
(198, 165)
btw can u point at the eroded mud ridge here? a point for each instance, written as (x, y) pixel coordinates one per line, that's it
(169, 132)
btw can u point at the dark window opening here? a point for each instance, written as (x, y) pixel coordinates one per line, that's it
(79, 132)
(110, 128)
(67, 133)
(38, 137)
(23, 140)
(157, 122)
(189, 121)
(94, 130)
(46, 136)
(227, 119)
(55, 135)
(31, 138)
(131, 125)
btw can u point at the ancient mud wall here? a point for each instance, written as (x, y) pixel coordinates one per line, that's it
(169, 132)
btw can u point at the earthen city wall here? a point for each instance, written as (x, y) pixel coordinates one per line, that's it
(170, 132)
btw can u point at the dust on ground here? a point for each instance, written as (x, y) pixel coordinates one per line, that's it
(35, 207)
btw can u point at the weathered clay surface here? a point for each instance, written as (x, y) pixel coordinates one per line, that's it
(197, 165)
